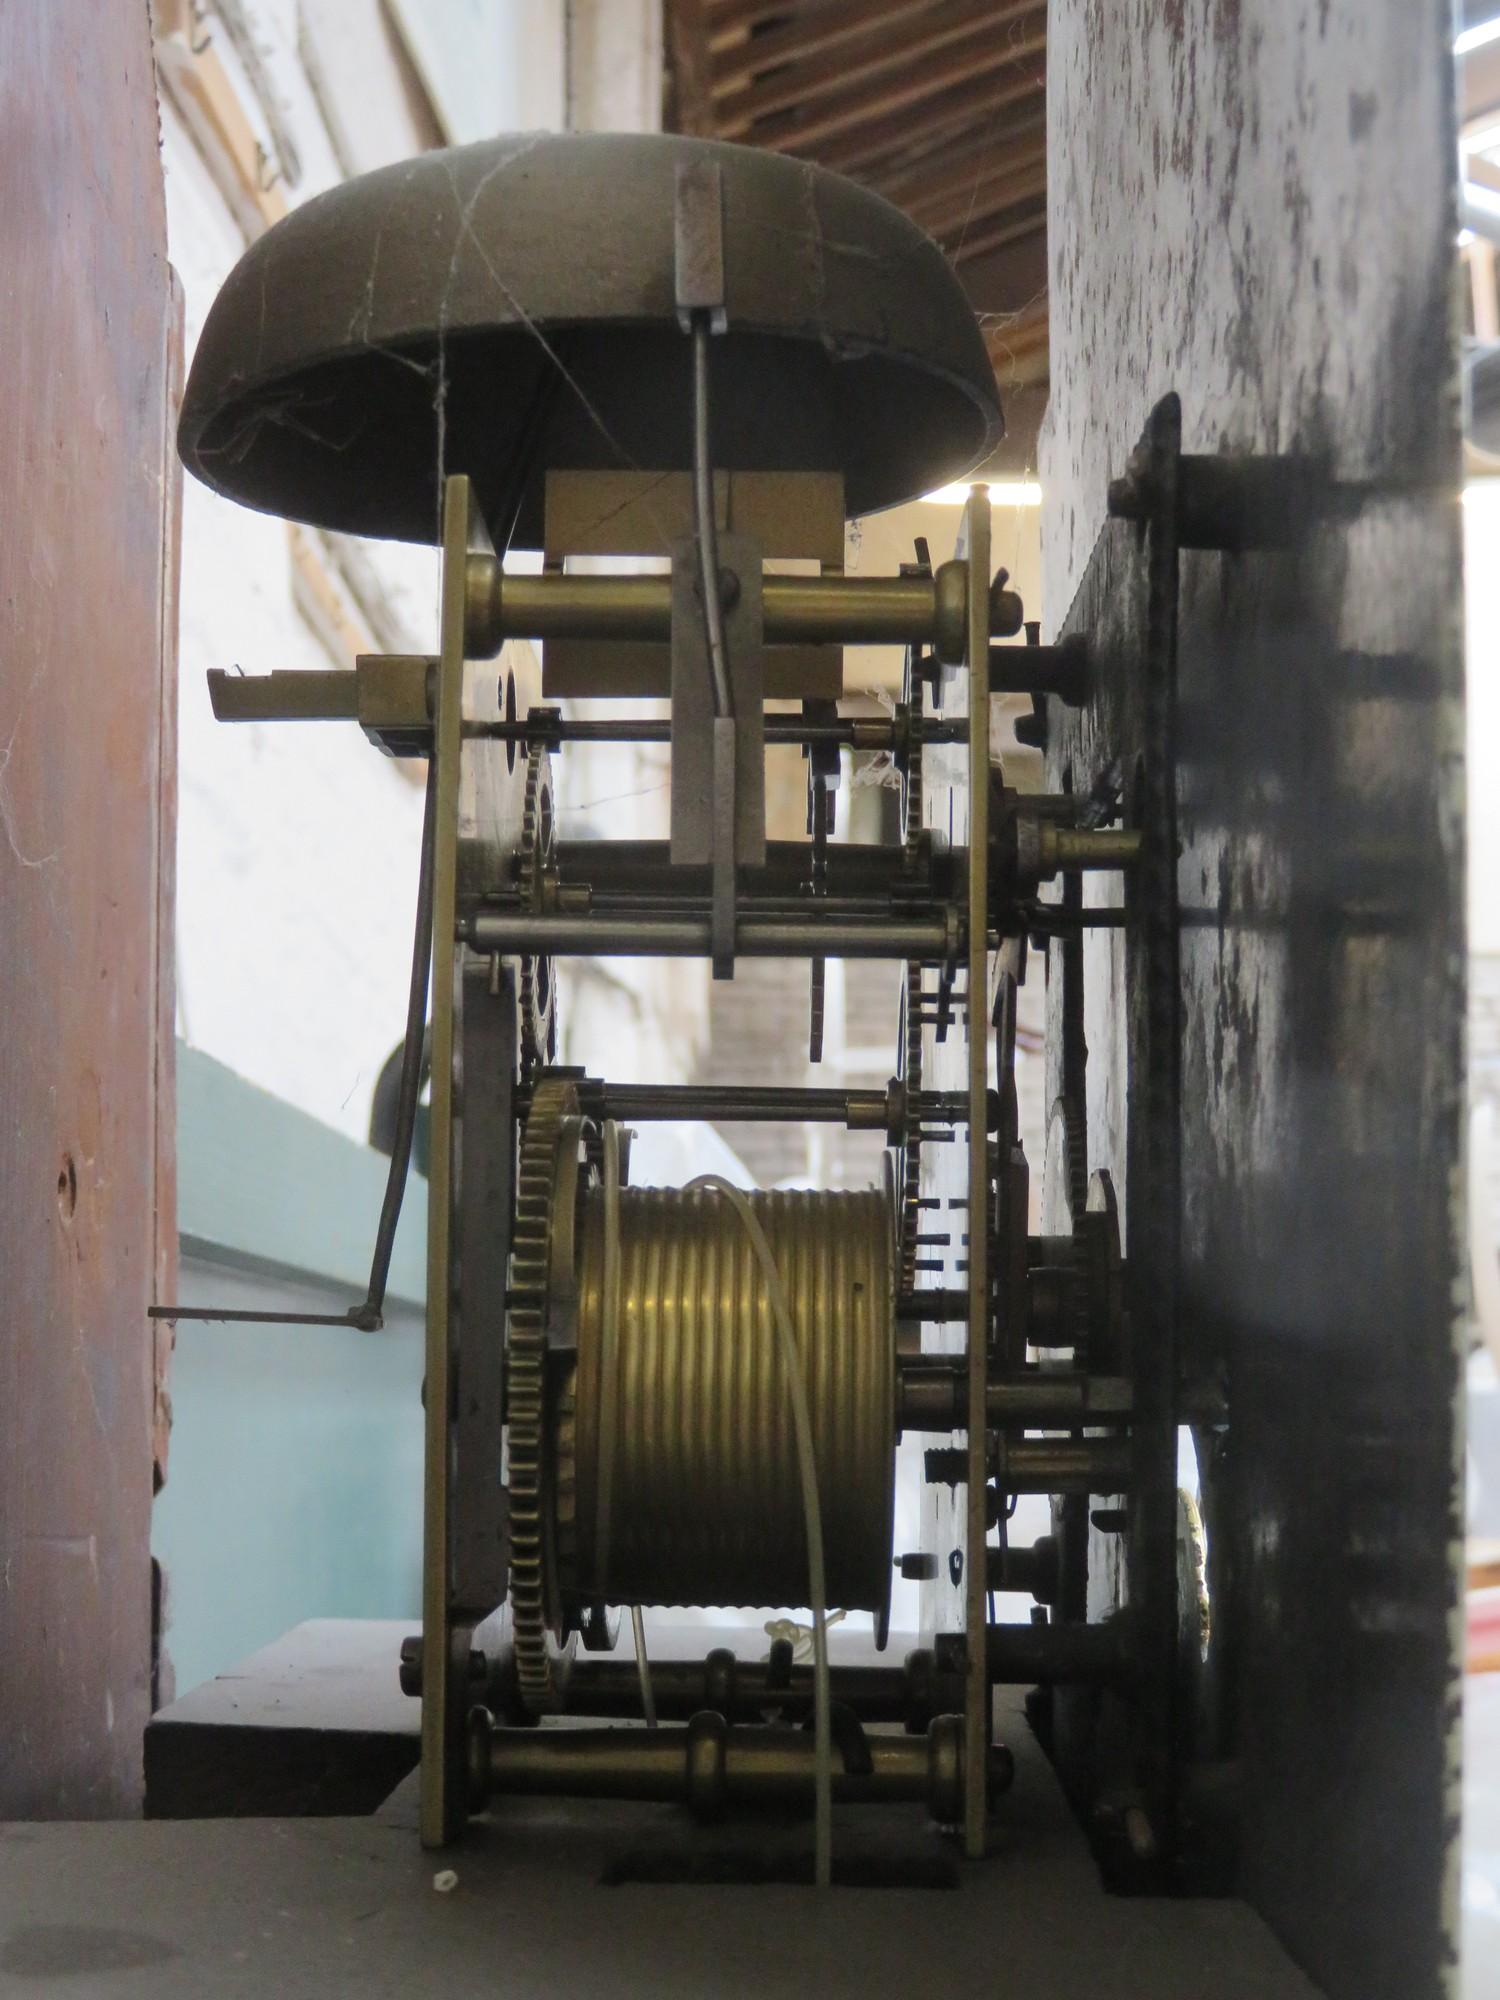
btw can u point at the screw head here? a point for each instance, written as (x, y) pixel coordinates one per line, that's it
(411, 1664)
(999, 1771)
(1129, 497)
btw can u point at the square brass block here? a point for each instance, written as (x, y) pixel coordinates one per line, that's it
(791, 515)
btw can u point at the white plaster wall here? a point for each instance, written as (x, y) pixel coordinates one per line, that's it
(614, 65)
(490, 68)
(348, 50)
(1135, 260)
(1482, 719)
(297, 845)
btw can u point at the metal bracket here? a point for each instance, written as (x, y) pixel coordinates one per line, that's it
(822, 783)
(699, 740)
(699, 218)
(700, 309)
(390, 695)
(1126, 612)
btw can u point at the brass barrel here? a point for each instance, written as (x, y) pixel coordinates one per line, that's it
(705, 1499)
(710, 1765)
(797, 610)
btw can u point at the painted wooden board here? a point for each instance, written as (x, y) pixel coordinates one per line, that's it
(1252, 205)
(85, 820)
(528, 1902)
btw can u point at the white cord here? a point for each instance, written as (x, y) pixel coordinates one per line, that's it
(797, 1635)
(781, 1312)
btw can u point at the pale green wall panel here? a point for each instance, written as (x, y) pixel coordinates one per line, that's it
(295, 1479)
(262, 1186)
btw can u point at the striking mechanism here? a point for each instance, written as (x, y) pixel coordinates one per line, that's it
(692, 1395)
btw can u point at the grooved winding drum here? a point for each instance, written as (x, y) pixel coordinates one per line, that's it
(705, 1500)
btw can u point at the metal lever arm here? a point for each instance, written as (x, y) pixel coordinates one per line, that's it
(700, 300)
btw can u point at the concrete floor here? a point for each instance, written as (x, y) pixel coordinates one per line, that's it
(180, 1909)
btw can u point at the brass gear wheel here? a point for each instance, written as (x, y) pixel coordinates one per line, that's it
(562, 1445)
(553, 1102)
(537, 1011)
(909, 1051)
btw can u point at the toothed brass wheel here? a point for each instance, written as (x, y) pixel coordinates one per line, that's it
(552, 1124)
(538, 1014)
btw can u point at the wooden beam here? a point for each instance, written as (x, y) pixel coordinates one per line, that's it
(1032, 367)
(687, 38)
(943, 168)
(808, 33)
(963, 213)
(194, 77)
(1008, 280)
(918, 148)
(164, 940)
(981, 173)
(730, 20)
(1030, 224)
(1479, 255)
(971, 107)
(774, 74)
(1008, 334)
(971, 209)
(84, 458)
(845, 107)
(794, 83)
(1019, 347)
